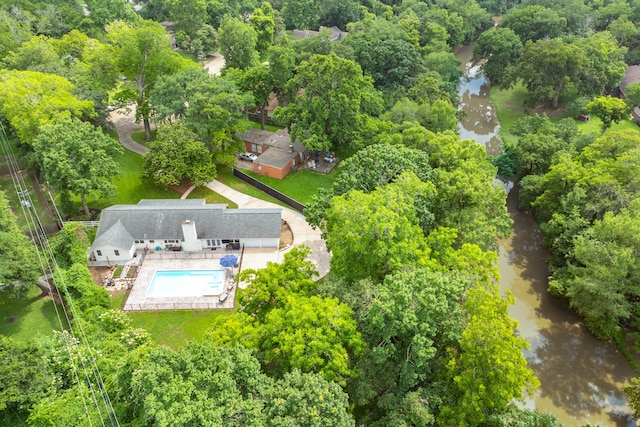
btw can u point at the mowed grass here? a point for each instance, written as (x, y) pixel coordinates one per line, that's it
(301, 185)
(30, 317)
(176, 329)
(211, 197)
(139, 137)
(267, 126)
(509, 106)
(226, 177)
(130, 188)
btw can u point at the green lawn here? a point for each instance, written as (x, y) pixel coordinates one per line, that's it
(300, 185)
(29, 318)
(595, 125)
(267, 126)
(6, 185)
(509, 104)
(176, 328)
(226, 177)
(509, 107)
(139, 137)
(210, 196)
(129, 187)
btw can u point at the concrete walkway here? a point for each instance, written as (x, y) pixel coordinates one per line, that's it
(303, 233)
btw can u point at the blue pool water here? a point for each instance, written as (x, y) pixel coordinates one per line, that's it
(186, 283)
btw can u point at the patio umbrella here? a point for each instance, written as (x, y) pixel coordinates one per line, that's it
(228, 260)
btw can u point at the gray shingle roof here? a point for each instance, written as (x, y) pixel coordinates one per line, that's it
(116, 235)
(162, 219)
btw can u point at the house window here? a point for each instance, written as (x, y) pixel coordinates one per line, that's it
(117, 252)
(139, 241)
(213, 242)
(254, 148)
(259, 148)
(152, 241)
(99, 253)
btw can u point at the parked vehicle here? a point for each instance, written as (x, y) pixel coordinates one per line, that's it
(250, 157)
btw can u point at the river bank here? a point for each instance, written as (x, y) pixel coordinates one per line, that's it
(581, 377)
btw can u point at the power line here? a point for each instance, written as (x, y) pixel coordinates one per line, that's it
(49, 266)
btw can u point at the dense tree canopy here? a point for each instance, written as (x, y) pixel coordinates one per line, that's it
(534, 23)
(333, 97)
(176, 154)
(31, 99)
(408, 322)
(498, 51)
(143, 53)
(77, 158)
(18, 263)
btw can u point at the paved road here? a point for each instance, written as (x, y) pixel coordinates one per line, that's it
(303, 233)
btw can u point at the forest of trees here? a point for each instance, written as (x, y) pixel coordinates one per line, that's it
(409, 327)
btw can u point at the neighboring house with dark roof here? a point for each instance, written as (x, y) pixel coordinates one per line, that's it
(186, 225)
(631, 75)
(277, 155)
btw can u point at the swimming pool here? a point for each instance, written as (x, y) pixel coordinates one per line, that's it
(186, 283)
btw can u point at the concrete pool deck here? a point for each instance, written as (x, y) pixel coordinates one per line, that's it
(138, 299)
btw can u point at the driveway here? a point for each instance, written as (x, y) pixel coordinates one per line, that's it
(303, 233)
(125, 125)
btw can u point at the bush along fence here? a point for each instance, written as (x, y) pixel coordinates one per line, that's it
(269, 190)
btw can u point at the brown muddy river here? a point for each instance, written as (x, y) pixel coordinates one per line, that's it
(581, 377)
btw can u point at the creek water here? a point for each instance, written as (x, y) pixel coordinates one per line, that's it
(581, 377)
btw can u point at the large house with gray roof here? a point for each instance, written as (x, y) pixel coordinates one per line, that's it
(185, 225)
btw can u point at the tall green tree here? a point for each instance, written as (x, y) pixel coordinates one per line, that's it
(489, 370)
(176, 154)
(263, 22)
(374, 167)
(282, 62)
(77, 158)
(498, 51)
(31, 99)
(198, 385)
(410, 321)
(633, 393)
(392, 63)
(601, 282)
(534, 23)
(469, 200)
(605, 66)
(632, 97)
(548, 68)
(312, 334)
(328, 112)
(269, 286)
(216, 113)
(189, 15)
(300, 14)
(307, 399)
(18, 263)
(26, 378)
(609, 110)
(372, 235)
(143, 53)
(257, 80)
(104, 12)
(238, 43)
